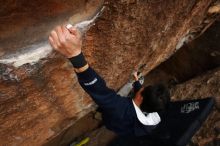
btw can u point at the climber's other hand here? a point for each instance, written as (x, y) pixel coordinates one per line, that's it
(135, 75)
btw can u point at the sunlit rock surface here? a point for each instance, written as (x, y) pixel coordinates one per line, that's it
(39, 102)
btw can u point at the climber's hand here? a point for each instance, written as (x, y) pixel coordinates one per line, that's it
(66, 41)
(135, 75)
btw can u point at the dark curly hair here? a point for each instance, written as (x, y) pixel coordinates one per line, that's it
(155, 98)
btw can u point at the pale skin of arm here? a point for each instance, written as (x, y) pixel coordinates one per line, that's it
(68, 42)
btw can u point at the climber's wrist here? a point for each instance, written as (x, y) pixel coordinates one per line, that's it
(78, 61)
(74, 53)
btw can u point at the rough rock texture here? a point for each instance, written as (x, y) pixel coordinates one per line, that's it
(193, 59)
(207, 85)
(38, 105)
(140, 32)
(28, 23)
(39, 102)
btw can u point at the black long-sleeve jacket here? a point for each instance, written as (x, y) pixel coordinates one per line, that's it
(118, 112)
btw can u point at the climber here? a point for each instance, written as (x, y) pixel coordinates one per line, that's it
(125, 116)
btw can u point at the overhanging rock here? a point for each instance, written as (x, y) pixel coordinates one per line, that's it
(38, 102)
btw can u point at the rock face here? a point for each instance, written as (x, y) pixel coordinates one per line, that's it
(193, 73)
(39, 102)
(193, 59)
(206, 85)
(28, 23)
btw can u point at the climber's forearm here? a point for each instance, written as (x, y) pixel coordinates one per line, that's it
(69, 43)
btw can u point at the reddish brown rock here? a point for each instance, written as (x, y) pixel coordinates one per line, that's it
(40, 102)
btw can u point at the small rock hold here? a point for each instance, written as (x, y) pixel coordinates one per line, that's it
(51, 132)
(217, 102)
(214, 54)
(18, 138)
(211, 81)
(128, 1)
(214, 9)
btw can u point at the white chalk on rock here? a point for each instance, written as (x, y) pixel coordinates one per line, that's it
(68, 26)
(34, 53)
(83, 26)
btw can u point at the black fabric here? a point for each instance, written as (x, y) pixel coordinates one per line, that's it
(184, 118)
(118, 112)
(78, 61)
(179, 124)
(136, 86)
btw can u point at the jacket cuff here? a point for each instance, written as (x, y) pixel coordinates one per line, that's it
(78, 61)
(137, 86)
(87, 75)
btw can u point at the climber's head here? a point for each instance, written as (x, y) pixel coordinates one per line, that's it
(153, 98)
